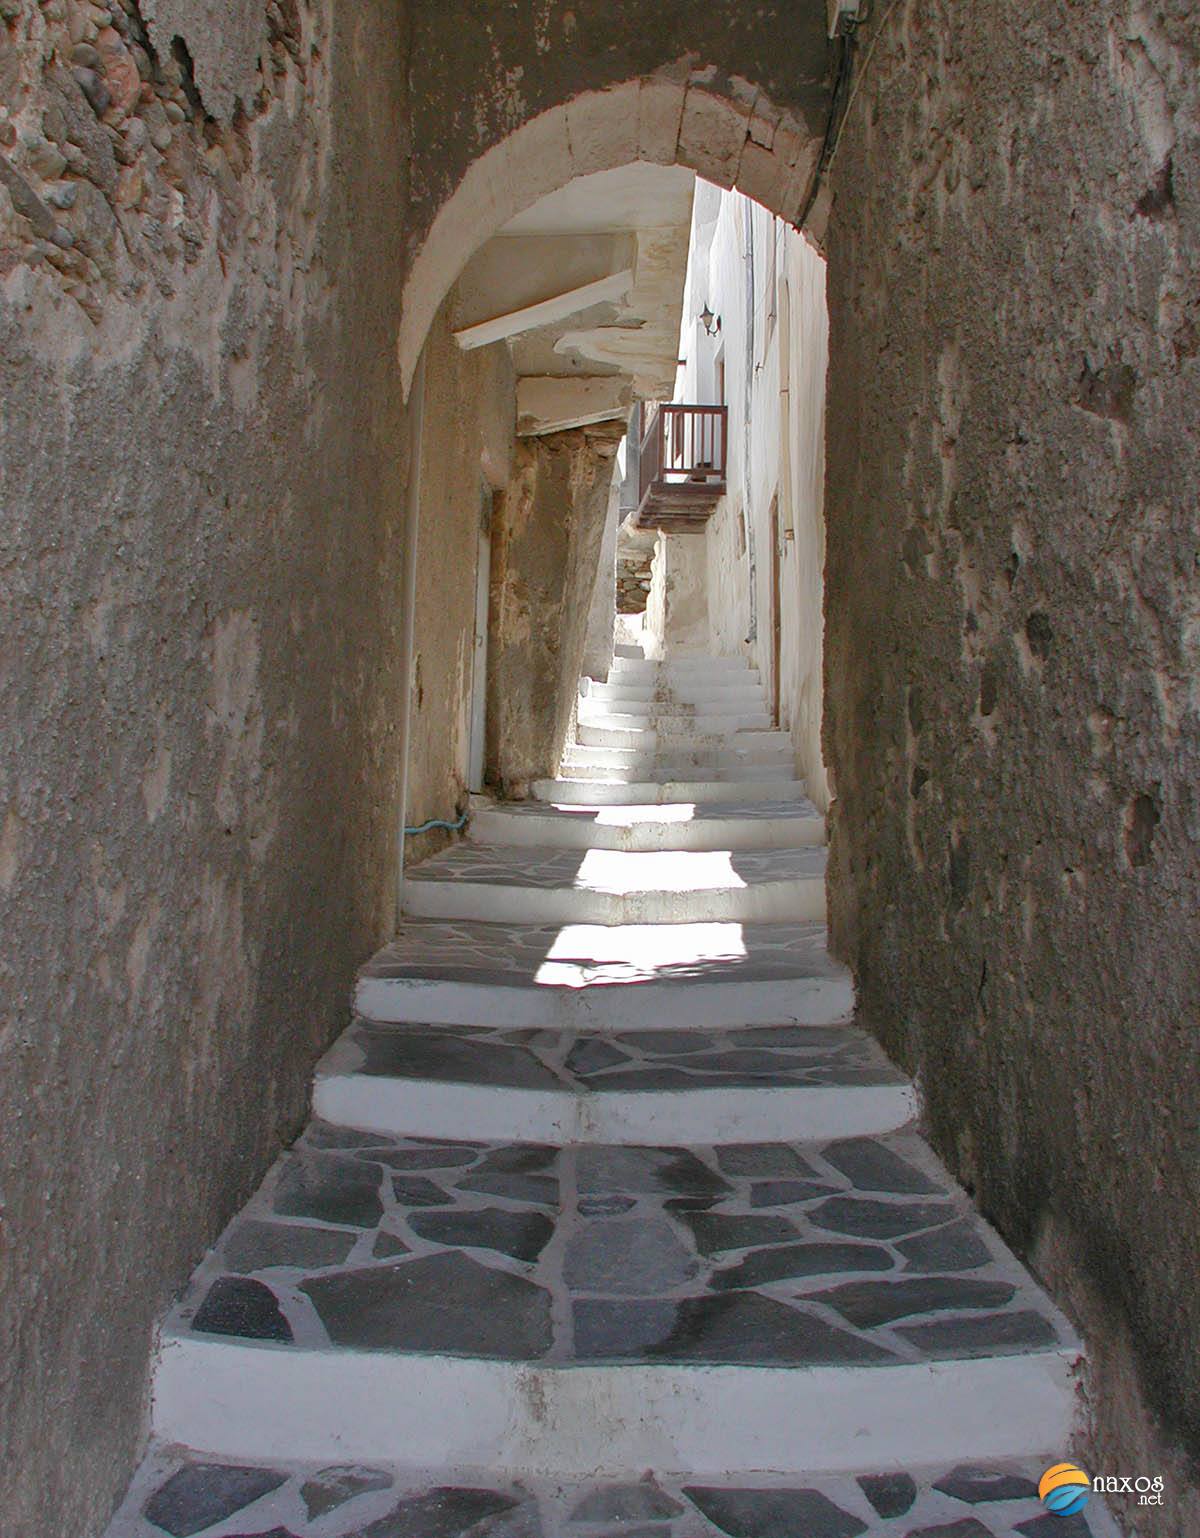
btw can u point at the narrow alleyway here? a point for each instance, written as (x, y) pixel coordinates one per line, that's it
(610, 1222)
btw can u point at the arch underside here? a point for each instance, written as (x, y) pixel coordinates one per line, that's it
(727, 131)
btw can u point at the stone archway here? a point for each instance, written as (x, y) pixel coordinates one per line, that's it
(722, 127)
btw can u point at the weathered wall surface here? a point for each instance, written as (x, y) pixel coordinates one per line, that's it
(766, 538)
(467, 454)
(1014, 450)
(545, 553)
(202, 460)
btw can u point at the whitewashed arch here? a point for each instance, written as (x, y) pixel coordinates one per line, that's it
(730, 135)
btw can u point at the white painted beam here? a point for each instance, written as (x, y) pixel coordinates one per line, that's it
(546, 404)
(615, 287)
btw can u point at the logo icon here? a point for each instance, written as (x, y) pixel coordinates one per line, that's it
(1064, 1489)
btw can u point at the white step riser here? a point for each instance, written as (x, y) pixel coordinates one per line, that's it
(733, 833)
(681, 1005)
(631, 721)
(797, 901)
(588, 757)
(671, 774)
(252, 1402)
(686, 694)
(680, 667)
(581, 792)
(421, 1108)
(650, 738)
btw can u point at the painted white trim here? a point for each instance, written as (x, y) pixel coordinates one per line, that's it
(262, 1403)
(613, 288)
(550, 830)
(608, 1006)
(618, 792)
(435, 1108)
(798, 900)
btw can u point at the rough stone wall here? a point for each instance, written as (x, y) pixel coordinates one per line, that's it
(1014, 451)
(202, 461)
(545, 554)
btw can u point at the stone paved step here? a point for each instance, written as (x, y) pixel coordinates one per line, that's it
(665, 772)
(753, 825)
(794, 1082)
(687, 668)
(543, 1309)
(711, 751)
(576, 975)
(684, 736)
(603, 886)
(180, 1493)
(728, 694)
(628, 719)
(567, 791)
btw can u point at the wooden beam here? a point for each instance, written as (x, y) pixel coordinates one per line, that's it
(612, 288)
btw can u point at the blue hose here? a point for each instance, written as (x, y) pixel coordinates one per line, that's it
(438, 822)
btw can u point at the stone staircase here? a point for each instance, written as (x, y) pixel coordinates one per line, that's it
(610, 1223)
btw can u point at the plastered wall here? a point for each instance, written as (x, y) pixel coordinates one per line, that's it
(202, 465)
(1014, 452)
(467, 452)
(765, 284)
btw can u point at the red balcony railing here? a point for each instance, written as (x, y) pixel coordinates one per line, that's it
(683, 446)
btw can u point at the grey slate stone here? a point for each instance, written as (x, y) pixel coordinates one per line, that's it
(874, 1167)
(676, 1043)
(425, 1158)
(522, 1159)
(416, 1191)
(971, 1483)
(715, 1232)
(592, 1055)
(965, 1527)
(748, 1328)
(604, 1206)
(334, 1486)
(786, 1193)
(870, 1303)
(775, 1513)
(867, 1219)
(984, 1335)
(201, 1494)
(890, 1494)
(633, 1258)
(764, 1159)
(255, 1246)
(430, 1054)
(956, 1247)
(322, 1134)
(329, 1190)
(673, 1171)
(542, 1190)
(789, 1262)
(241, 1306)
(642, 1502)
(523, 1235)
(1050, 1526)
(446, 1302)
(620, 1330)
(446, 1512)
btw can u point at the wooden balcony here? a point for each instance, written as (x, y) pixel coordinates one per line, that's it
(682, 466)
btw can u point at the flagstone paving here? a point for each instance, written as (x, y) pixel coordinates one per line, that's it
(855, 1251)
(559, 1307)
(194, 1498)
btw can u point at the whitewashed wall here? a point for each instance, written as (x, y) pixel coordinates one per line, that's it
(767, 286)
